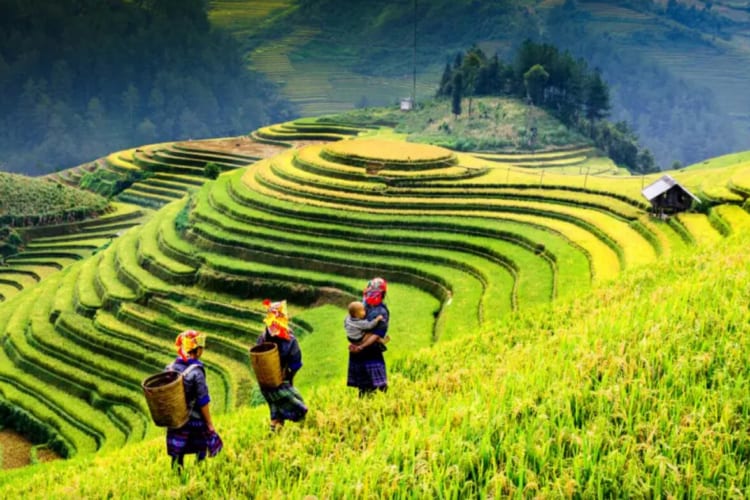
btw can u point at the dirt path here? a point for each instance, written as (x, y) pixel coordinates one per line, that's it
(243, 145)
(15, 451)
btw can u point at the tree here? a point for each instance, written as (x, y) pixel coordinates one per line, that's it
(489, 78)
(597, 97)
(534, 80)
(645, 162)
(211, 170)
(66, 69)
(446, 81)
(457, 94)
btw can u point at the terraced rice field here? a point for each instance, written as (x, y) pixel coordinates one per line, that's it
(239, 17)
(463, 241)
(50, 248)
(315, 85)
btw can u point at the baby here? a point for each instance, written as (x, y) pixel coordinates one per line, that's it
(356, 326)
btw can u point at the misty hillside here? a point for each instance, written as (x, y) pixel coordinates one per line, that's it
(81, 78)
(677, 69)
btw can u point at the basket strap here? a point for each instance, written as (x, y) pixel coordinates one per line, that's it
(191, 404)
(189, 369)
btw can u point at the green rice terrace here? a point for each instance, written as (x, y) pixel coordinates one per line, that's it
(550, 337)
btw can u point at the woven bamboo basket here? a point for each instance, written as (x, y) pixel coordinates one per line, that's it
(165, 395)
(266, 364)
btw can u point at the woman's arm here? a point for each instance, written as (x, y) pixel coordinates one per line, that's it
(367, 342)
(206, 413)
(203, 399)
(293, 361)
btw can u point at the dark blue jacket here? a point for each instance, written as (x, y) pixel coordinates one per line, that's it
(196, 389)
(372, 312)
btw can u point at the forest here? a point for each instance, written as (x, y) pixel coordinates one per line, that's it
(81, 78)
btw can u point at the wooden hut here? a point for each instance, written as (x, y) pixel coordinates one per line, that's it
(667, 196)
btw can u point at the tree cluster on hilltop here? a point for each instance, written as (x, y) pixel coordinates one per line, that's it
(81, 78)
(555, 81)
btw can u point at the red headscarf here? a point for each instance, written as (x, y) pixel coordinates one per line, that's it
(277, 319)
(374, 291)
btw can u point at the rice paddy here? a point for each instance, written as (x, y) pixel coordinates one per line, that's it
(507, 288)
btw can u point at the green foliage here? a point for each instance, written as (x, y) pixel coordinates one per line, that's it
(108, 183)
(182, 219)
(10, 241)
(576, 96)
(456, 94)
(469, 252)
(550, 78)
(211, 170)
(655, 68)
(679, 111)
(534, 81)
(620, 143)
(75, 93)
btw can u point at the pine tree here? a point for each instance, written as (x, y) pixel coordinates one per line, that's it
(457, 94)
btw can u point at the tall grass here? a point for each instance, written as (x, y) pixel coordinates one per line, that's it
(634, 390)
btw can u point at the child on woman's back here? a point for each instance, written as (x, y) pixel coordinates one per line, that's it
(356, 327)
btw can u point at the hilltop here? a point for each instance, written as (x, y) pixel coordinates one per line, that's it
(678, 75)
(25, 201)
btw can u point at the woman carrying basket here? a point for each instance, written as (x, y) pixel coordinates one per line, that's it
(198, 435)
(285, 402)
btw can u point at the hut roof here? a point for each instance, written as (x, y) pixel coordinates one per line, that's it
(662, 185)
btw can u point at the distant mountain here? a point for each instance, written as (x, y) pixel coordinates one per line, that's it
(678, 70)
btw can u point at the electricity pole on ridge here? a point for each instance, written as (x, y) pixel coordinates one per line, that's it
(414, 76)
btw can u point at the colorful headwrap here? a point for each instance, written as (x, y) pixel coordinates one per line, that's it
(277, 319)
(187, 341)
(374, 291)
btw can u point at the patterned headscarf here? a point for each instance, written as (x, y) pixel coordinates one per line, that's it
(187, 341)
(374, 291)
(277, 319)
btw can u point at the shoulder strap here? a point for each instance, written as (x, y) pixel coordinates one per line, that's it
(190, 368)
(183, 374)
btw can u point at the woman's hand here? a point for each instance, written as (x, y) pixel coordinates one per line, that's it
(354, 348)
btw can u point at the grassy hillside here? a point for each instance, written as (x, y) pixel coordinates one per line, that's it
(25, 201)
(468, 243)
(488, 124)
(605, 395)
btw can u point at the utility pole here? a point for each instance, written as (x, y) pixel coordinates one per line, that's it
(414, 77)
